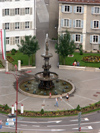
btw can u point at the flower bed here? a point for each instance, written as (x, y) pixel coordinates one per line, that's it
(95, 59)
(10, 59)
(91, 108)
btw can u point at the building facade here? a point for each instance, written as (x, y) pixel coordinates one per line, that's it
(82, 19)
(18, 18)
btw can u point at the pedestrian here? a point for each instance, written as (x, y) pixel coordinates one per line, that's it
(78, 63)
(56, 101)
(60, 97)
(67, 97)
(50, 95)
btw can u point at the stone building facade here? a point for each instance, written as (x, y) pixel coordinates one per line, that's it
(82, 19)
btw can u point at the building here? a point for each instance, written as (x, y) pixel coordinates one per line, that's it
(18, 18)
(82, 19)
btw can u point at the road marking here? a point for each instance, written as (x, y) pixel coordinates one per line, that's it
(82, 119)
(53, 130)
(23, 99)
(40, 122)
(85, 98)
(97, 122)
(35, 126)
(87, 127)
(23, 125)
(68, 104)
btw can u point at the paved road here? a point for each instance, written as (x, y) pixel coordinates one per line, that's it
(90, 123)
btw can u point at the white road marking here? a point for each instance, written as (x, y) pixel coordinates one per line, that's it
(85, 98)
(82, 119)
(87, 127)
(68, 104)
(23, 99)
(40, 122)
(23, 125)
(53, 130)
(35, 126)
(97, 122)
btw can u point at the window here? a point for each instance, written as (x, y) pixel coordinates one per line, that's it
(7, 40)
(17, 40)
(95, 39)
(6, 11)
(96, 24)
(66, 8)
(26, 10)
(78, 23)
(17, 25)
(26, 25)
(6, 26)
(66, 22)
(16, 11)
(78, 9)
(95, 10)
(77, 39)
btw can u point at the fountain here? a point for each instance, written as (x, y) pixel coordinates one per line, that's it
(45, 82)
(46, 77)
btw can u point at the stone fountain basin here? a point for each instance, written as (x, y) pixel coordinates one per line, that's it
(52, 76)
(42, 96)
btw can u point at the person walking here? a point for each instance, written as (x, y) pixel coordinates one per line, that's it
(67, 97)
(60, 97)
(56, 101)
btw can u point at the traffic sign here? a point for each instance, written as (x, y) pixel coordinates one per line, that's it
(9, 123)
(11, 119)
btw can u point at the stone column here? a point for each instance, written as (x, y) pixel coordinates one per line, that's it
(19, 65)
(6, 66)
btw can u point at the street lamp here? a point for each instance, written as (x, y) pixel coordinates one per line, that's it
(16, 77)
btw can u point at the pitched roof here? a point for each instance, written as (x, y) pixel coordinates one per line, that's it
(80, 1)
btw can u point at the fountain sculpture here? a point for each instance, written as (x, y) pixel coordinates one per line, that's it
(46, 77)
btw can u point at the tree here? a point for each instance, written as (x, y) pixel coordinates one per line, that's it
(65, 45)
(29, 46)
(81, 49)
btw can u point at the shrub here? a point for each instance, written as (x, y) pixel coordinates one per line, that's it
(21, 62)
(6, 107)
(10, 59)
(78, 108)
(13, 51)
(42, 111)
(80, 49)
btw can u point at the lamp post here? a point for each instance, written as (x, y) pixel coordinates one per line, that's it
(16, 77)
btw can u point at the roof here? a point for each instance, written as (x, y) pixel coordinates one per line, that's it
(80, 1)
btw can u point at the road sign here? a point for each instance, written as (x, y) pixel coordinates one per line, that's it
(11, 119)
(9, 123)
(0, 126)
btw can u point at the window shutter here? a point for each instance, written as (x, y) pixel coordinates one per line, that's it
(99, 24)
(74, 9)
(62, 8)
(81, 38)
(91, 24)
(10, 28)
(21, 11)
(30, 25)
(99, 40)
(13, 40)
(13, 12)
(74, 23)
(90, 38)
(82, 9)
(81, 23)
(70, 9)
(23, 25)
(3, 12)
(62, 21)
(70, 23)
(3, 26)
(74, 37)
(92, 10)
(30, 10)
